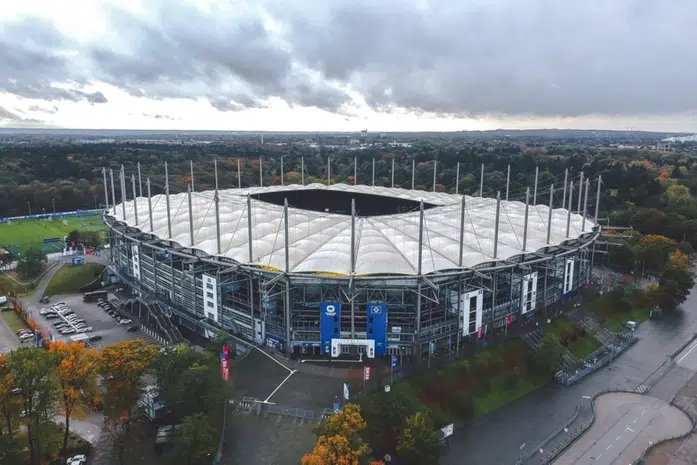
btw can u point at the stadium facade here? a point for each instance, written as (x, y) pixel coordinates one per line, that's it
(336, 269)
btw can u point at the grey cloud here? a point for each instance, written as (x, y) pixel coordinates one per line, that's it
(164, 117)
(51, 111)
(538, 58)
(6, 116)
(96, 97)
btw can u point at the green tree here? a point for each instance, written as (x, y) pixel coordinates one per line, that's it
(384, 414)
(33, 371)
(31, 263)
(419, 444)
(195, 441)
(548, 355)
(675, 283)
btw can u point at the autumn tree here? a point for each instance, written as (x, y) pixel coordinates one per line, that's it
(676, 282)
(418, 443)
(122, 366)
(77, 369)
(33, 372)
(384, 414)
(195, 441)
(9, 402)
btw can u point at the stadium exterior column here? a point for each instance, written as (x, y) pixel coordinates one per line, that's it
(286, 300)
(566, 180)
(508, 181)
(597, 198)
(113, 191)
(140, 181)
(249, 228)
(435, 168)
(106, 190)
(481, 182)
(413, 173)
(568, 212)
(169, 214)
(534, 195)
(261, 172)
(329, 171)
(191, 215)
(147, 182)
(392, 172)
(496, 224)
(302, 171)
(123, 193)
(418, 286)
(525, 221)
(585, 205)
(191, 169)
(549, 214)
(580, 192)
(457, 179)
(216, 199)
(353, 267)
(239, 174)
(355, 171)
(282, 180)
(373, 171)
(135, 199)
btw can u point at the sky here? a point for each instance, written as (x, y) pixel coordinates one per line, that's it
(348, 65)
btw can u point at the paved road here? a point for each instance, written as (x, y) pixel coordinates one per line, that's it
(497, 437)
(688, 357)
(625, 425)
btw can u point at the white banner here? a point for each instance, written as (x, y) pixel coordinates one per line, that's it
(346, 392)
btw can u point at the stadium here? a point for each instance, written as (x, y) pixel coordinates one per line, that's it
(339, 270)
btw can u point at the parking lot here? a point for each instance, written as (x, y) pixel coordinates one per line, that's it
(102, 324)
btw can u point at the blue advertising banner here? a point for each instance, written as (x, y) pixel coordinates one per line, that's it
(377, 326)
(329, 324)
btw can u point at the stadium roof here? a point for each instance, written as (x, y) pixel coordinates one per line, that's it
(321, 242)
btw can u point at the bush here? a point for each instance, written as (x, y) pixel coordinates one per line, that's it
(463, 405)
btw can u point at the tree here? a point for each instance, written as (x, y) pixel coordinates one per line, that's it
(195, 441)
(122, 366)
(9, 402)
(33, 371)
(77, 369)
(384, 414)
(548, 355)
(31, 263)
(675, 283)
(419, 443)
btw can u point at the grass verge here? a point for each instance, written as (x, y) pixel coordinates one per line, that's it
(70, 278)
(13, 321)
(575, 339)
(612, 311)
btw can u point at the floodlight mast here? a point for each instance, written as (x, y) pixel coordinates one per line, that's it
(249, 228)
(282, 182)
(302, 171)
(355, 171)
(261, 172)
(329, 171)
(239, 174)
(462, 230)
(373, 171)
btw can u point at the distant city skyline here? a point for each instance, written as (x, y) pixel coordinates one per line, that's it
(311, 65)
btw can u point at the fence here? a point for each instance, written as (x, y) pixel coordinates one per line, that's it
(567, 379)
(43, 216)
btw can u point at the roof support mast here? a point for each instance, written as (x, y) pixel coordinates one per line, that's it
(249, 228)
(191, 215)
(568, 211)
(413, 173)
(329, 171)
(169, 214)
(420, 257)
(566, 181)
(549, 214)
(373, 171)
(216, 200)
(457, 179)
(302, 171)
(147, 182)
(393, 172)
(355, 171)
(239, 174)
(435, 168)
(140, 181)
(525, 221)
(481, 182)
(123, 193)
(496, 224)
(462, 230)
(191, 169)
(508, 182)
(286, 300)
(585, 205)
(282, 181)
(534, 195)
(597, 198)
(261, 172)
(113, 190)
(353, 265)
(580, 191)
(106, 189)
(135, 199)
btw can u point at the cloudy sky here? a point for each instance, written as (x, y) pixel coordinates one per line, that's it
(349, 64)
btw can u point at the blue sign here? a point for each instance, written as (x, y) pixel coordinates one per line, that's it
(38, 339)
(394, 361)
(78, 261)
(376, 326)
(329, 324)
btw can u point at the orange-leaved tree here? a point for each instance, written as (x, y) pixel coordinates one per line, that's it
(9, 404)
(122, 366)
(77, 370)
(340, 440)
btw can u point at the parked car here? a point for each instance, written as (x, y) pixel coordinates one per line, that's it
(45, 310)
(67, 331)
(125, 321)
(86, 329)
(26, 337)
(45, 299)
(133, 329)
(22, 331)
(51, 316)
(6, 309)
(76, 460)
(94, 338)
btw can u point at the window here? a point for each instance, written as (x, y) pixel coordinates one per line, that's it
(209, 286)
(209, 304)
(209, 295)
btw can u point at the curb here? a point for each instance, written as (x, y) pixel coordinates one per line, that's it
(683, 346)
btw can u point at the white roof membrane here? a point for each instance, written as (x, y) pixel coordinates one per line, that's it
(321, 242)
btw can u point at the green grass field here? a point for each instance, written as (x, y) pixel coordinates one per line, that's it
(13, 321)
(20, 235)
(70, 278)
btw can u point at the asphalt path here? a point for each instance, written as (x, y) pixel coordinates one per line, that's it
(688, 357)
(498, 436)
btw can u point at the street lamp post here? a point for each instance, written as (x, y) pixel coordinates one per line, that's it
(29, 205)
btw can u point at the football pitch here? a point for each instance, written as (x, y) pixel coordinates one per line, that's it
(22, 234)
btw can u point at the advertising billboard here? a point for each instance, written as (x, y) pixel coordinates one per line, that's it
(329, 324)
(376, 326)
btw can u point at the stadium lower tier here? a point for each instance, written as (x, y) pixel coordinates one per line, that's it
(336, 316)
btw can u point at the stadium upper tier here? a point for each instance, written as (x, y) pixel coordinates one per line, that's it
(320, 242)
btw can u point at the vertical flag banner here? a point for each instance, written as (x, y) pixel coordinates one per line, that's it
(346, 391)
(366, 373)
(394, 361)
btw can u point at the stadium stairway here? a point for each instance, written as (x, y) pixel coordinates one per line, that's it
(569, 363)
(586, 320)
(163, 324)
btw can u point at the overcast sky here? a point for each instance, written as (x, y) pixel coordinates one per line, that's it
(349, 64)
